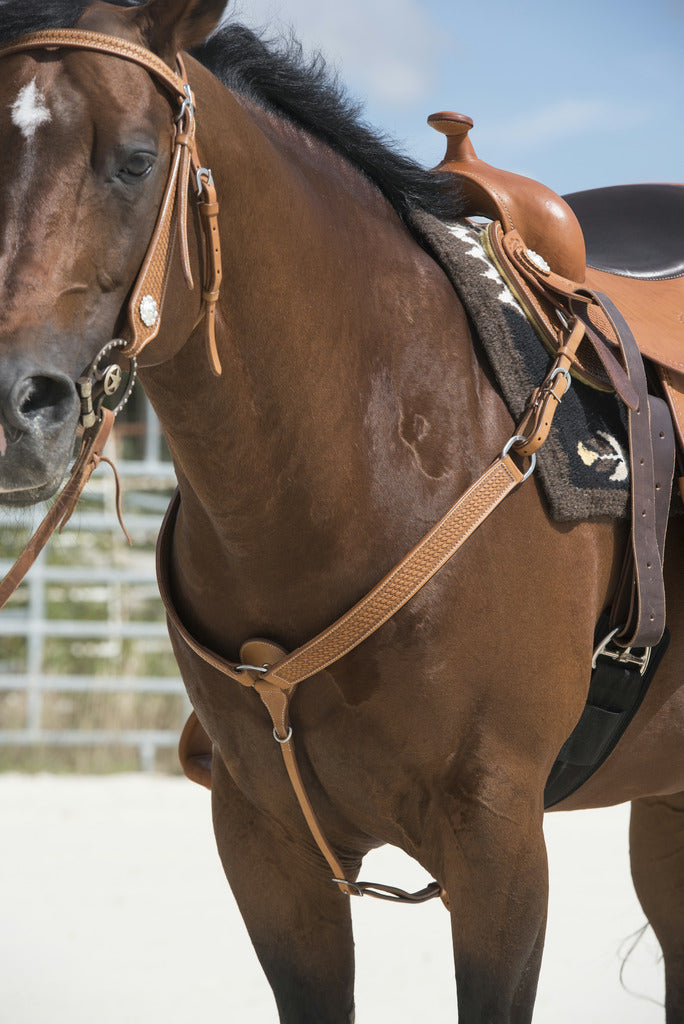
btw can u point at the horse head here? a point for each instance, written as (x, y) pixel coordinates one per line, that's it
(87, 142)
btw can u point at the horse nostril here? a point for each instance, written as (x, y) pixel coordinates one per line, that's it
(43, 398)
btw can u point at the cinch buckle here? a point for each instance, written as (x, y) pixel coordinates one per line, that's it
(626, 656)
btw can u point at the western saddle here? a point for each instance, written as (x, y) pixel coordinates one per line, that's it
(623, 241)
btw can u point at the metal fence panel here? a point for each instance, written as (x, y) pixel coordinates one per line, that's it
(85, 660)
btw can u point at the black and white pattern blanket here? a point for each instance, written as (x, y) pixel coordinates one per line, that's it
(584, 465)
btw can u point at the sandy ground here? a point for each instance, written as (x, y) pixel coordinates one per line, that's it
(114, 910)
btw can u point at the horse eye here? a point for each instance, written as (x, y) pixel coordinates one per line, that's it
(138, 165)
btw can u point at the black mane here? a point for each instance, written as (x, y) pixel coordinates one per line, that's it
(280, 78)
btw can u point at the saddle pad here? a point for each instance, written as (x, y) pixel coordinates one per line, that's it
(584, 465)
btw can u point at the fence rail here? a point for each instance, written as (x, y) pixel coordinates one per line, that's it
(85, 660)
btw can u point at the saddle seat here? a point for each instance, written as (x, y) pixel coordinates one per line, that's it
(633, 231)
(624, 241)
(633, 236)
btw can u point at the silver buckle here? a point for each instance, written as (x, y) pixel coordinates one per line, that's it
(625, 656)
(204, 174)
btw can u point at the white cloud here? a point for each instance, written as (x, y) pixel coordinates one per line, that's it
(564, 119)
(387, 49)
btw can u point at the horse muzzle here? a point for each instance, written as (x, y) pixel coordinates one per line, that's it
(39, 413)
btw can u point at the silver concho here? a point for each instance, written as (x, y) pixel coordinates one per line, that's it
(149, 311)
(538, 261)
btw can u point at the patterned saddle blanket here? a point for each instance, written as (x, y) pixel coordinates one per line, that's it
(584, 465)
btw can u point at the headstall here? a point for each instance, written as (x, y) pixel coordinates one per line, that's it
(103, 380)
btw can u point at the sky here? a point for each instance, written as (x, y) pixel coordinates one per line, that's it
(574, 96)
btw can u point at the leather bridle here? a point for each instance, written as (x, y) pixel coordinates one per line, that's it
(101, 382)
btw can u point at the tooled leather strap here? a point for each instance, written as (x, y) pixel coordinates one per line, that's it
(404, 581)
(89, 458)
(98, 42)
(384, 601)
(275, 675)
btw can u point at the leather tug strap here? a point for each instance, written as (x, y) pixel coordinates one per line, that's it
(638, 610)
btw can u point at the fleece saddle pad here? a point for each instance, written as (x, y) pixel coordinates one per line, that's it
(584, 465)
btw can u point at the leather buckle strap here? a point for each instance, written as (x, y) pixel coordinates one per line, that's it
(639, 607)
(405, 580)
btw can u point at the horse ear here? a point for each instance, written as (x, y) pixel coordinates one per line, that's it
(168, 26)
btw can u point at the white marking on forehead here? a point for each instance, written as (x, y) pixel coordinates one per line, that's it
(29, 110)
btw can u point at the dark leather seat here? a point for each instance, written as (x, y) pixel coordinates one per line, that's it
(633, 230)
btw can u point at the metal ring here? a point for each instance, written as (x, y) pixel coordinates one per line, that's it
(530, 471)
(517, 439)
(251, 668)
(94, 373)
(283, 741)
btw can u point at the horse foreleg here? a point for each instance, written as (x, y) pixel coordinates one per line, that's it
(298, 921)
(657, 856)
(497, 884)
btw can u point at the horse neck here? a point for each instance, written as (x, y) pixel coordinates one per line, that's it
(295, 463)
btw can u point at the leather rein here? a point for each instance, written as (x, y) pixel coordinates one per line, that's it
(273, 673)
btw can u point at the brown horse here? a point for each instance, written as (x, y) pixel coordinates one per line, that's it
(352, 410)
